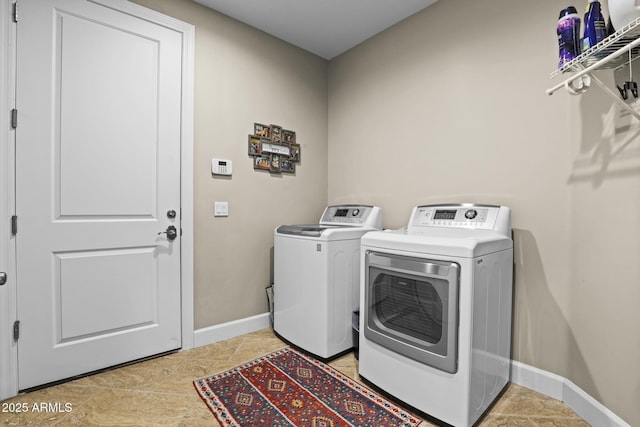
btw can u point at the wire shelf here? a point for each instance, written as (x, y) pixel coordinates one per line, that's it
(606, 47)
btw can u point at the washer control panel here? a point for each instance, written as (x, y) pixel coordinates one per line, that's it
(481, 217)
(355, 215)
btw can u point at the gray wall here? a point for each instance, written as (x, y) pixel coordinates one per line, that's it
(244, 76)
(448, 105)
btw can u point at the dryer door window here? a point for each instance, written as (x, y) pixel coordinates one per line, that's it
(412, 307)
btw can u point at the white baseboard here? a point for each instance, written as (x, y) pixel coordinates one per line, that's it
(562, 389)
(232, 329)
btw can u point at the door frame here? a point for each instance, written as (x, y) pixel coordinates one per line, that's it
(8, 292)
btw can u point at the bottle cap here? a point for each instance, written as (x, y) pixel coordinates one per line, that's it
(568, 11)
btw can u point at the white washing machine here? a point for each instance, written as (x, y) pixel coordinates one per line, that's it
(317, 278)
(435, 310)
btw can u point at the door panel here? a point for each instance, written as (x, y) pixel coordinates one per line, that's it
(97, 168)
(99, 62)
(90, 286)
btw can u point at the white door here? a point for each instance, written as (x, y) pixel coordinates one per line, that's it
(97, 175)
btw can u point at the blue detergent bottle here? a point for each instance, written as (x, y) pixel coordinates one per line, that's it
(568, 31)
(595, 28)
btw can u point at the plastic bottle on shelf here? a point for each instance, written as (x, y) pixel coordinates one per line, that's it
(595, 28)
(568, 31)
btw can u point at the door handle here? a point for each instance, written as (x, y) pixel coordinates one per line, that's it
(3, 278)
(171, 233)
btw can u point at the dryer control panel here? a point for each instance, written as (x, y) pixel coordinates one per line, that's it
(470, 216)
(354, 215)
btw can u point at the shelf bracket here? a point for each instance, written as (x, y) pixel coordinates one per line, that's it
(616, 97)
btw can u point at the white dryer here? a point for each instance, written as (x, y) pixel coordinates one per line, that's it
(435, 310)
(317, 278)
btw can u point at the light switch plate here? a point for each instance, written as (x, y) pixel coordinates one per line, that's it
(221, 209)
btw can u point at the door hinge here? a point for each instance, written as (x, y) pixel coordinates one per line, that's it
(14, 225)
(16, 330)
(14, 118)
(15, 12)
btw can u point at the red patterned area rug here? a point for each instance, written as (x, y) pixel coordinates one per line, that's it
(289, 388)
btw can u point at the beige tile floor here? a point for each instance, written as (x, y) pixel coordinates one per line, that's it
(159, 392)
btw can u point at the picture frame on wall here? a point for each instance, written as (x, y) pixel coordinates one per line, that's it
(276, 132)
(273, 148)
(288, 136)
(262, 162)
(275, 163)
(294, 152)
(283, 150)
(287, 166)
(261, 130)
(255, 145)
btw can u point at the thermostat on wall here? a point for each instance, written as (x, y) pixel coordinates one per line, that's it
(221, 167)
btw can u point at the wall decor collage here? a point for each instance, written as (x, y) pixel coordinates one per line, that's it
(274, 149)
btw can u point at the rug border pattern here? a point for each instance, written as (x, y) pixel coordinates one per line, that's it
(226, 418)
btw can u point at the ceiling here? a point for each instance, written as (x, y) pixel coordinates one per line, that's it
(324, 27)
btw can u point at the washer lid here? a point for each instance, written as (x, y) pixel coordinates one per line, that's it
(309, 230)
(322, 232)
